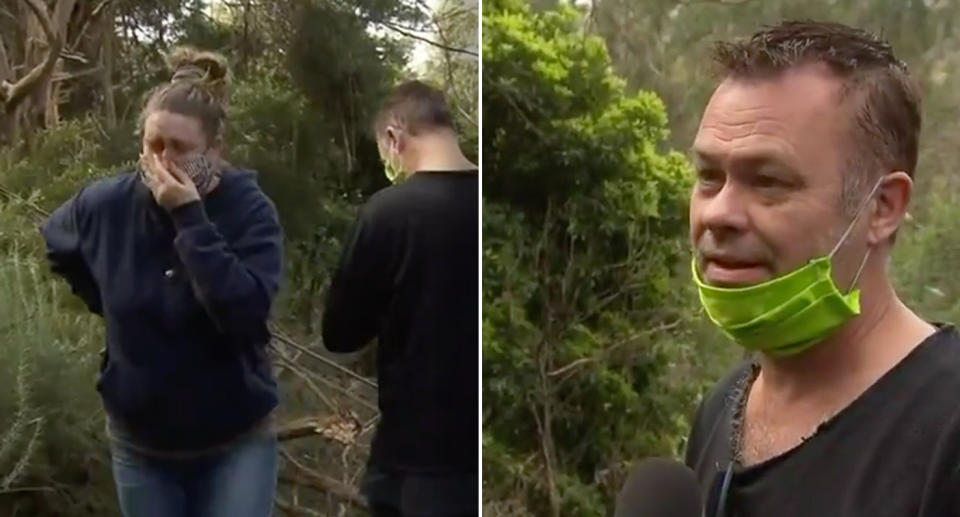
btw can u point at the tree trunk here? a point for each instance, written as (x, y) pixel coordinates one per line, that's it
(7, 120)
(51, 89)
(6, 71)
(106, 64)
(551, 336)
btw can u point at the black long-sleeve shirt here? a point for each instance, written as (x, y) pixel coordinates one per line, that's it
(409, 276)
(185, 297)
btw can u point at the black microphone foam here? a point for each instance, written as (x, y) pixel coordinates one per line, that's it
(659, 487)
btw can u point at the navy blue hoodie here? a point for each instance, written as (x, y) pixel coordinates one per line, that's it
(185, 296)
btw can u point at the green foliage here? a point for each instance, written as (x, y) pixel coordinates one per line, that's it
(927, 252)
(47, 385)
(457, 21)
(583, 229)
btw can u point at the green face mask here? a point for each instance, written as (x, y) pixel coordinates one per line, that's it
(789, 314)
(393, 173)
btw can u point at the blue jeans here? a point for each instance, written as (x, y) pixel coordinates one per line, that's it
(237, 482)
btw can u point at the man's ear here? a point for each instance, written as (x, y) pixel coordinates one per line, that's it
(396, 138)
(890, 202)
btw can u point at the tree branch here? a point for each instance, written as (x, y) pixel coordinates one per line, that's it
(90, 19)
(295, 368)
(336, 428)
(425, 40)
(306, 476)
(27, 489)
(294, 509)
(66, 76)
(279, 335)
(6, 72)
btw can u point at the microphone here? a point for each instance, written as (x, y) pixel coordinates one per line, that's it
(658, 487)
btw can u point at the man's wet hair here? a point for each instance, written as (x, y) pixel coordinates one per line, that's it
(877, 89)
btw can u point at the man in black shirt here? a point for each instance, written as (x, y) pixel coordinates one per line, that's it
(850, 406)
(409, 276)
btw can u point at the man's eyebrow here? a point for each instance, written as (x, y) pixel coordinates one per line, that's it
(701, 157)
(704, 158)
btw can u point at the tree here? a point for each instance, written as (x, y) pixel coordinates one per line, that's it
(583, 230)
(14, 93)
(456, 26)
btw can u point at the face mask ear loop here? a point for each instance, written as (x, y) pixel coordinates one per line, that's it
(856, 217)
(856, 278)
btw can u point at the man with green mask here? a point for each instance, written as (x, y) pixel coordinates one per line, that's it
(408, 277)
(848, 404)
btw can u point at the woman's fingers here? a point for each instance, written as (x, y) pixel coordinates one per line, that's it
(163, 173)
(178, 174)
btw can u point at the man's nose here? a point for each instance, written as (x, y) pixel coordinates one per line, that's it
(725, 212)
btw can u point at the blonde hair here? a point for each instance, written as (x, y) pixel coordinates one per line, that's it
(198, 88)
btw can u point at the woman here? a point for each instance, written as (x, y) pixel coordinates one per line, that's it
(183, 259)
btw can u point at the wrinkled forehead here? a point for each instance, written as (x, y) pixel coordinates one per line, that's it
(798, 114)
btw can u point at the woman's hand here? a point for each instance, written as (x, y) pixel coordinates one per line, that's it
(171, 187)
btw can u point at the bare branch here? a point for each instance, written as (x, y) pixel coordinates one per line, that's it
(298, 371)
(306, 476)
(578, 362)
(467, 116)
(86, 24)
(425, 40)
(277, 334)
(28, 489)
(338, 428)
(66, 76)
(75, 57)
(294, 509)
(348, 393)
(6, 73)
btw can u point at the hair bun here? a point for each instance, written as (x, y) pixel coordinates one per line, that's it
(204, 67)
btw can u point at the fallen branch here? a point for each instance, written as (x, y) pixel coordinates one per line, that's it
(279, 335)
(338, 428)
(27, 489)
(295, 368)
(306, 476)
(294, 509)
(356, 398)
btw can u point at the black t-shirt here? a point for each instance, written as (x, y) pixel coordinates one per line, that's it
(409, 277)
(894, 451)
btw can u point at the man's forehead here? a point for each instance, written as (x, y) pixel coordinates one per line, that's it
(797, 108)
(794, 93)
